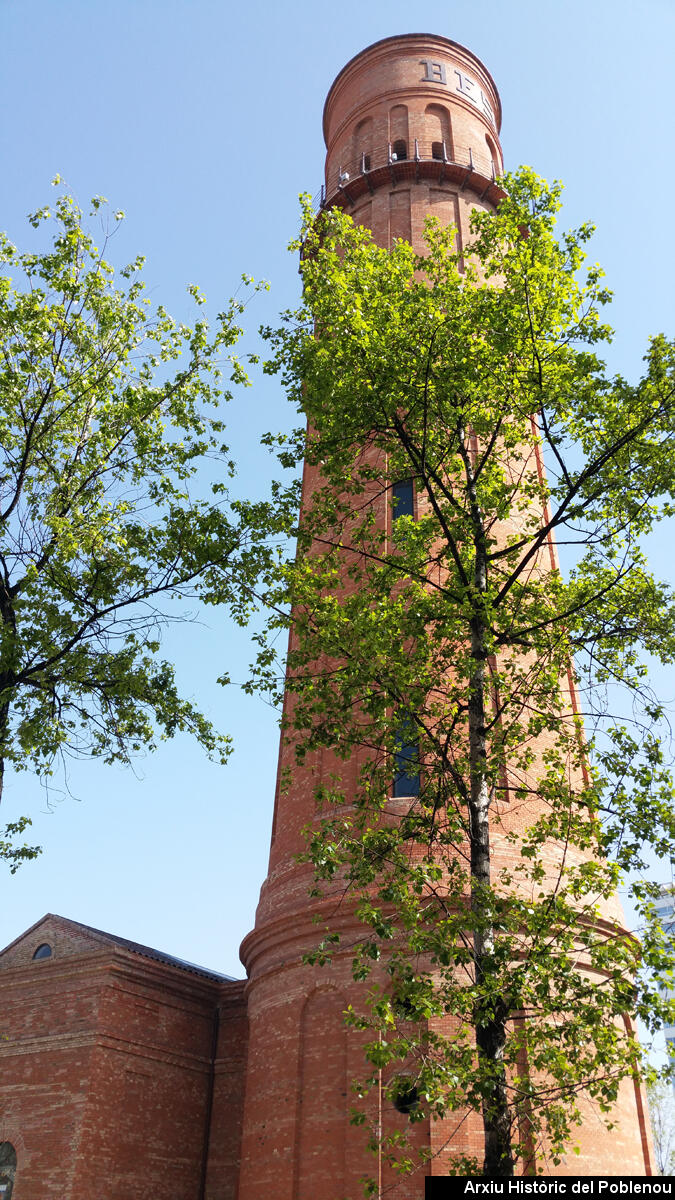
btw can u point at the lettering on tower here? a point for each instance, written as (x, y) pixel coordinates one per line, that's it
(435, 72)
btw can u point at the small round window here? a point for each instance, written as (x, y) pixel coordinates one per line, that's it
(43, 951)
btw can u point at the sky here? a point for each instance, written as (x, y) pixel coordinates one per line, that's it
(202, 121)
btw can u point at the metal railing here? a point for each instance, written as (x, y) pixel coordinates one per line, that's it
(400, 159)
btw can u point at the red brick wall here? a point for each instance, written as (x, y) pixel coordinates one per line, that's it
(106, 1073)
(228, 1095)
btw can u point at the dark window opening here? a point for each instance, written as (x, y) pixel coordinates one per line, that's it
(7, 1169)
(405, 1097)
(365, 163)
(406, 761)
(438, 151)
(399, 150)
(43, 951)
(403, 495)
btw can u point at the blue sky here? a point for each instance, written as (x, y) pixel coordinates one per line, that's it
(202, 120)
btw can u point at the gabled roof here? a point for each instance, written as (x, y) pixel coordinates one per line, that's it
(99, 935)
(159, 955)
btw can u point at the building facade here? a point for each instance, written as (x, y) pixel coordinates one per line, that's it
(126, 1073)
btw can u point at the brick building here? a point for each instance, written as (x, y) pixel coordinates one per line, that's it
(127, 1073)
(121, 1069)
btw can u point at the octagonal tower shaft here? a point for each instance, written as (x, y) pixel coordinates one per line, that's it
(412, 129)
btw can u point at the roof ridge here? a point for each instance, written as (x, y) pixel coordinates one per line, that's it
(127, 944)
(157, 955)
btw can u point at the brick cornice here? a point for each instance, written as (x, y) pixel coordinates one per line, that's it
(102, 966)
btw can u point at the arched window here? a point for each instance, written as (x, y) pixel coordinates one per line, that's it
(363, 142)
(398, 132)
(438, 131)
(494, 157)
(7, 1169)
(43, 951)
(323, 1088)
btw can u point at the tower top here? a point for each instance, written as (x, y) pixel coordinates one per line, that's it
(412, 49)
(410, 110)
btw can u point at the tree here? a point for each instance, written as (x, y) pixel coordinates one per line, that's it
(662, 1114)
(487, 684)
(107, 516)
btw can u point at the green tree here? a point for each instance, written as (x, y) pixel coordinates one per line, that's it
(108, 418)
(444, 643)
(662, 1115)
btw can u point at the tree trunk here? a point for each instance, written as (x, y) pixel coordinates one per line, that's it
(4, 728)
(491, 1012)
(7, 676)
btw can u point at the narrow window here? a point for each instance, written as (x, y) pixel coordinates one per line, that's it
(494, 159)
(406, 761)
(362, 144)
(437, 151)
(399, 151)
(403, 494)
(437, 129)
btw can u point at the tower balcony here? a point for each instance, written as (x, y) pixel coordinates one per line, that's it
(396, 163)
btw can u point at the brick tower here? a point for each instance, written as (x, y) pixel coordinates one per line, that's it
(412, 129)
